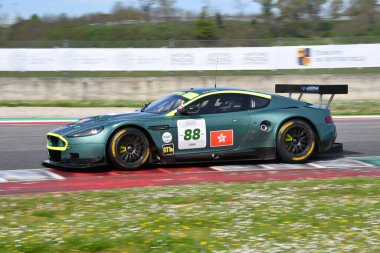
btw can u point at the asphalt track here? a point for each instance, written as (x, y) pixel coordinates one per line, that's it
(23, 146)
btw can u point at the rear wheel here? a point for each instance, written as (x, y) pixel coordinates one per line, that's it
(295, 141)
(128, 149)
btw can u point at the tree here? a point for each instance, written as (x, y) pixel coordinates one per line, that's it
(267, 14)
(336, 7)
(300, 17)
(366, 8)
(204, 28)
(314, 9)
(266, 8)
(34, 18)
(117, 7)
(146, 7)
(166, 7)
(219, 20)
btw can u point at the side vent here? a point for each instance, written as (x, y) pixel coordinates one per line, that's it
(290, 107)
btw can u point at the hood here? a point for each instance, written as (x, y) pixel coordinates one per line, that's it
(103, 120)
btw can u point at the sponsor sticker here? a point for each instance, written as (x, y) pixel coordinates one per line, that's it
(167, 137)
(191, 133)
(221, 138)
(168, 149)
(304, 56)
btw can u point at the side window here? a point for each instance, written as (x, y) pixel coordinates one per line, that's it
(223, 103)
(258, 102)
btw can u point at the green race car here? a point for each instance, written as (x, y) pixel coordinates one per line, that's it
(196, 125)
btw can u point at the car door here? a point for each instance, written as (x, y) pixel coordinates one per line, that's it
(217, 122)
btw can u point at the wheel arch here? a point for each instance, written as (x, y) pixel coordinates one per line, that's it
(114, 131)
(307, 121)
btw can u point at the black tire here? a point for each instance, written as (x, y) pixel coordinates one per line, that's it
(128, 149)
(295, 141)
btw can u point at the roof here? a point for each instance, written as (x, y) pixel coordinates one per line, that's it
(195, 94)
(202, 91)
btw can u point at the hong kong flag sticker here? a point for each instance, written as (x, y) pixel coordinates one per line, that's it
(221, 138)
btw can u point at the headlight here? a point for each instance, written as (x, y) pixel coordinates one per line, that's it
(87, 132)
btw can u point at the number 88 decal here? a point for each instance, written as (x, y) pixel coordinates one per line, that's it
(192, 134)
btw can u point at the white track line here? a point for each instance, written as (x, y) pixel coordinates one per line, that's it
(54, 175)
(267, 167)
(316, 165)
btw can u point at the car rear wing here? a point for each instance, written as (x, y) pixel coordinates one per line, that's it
(313, 89)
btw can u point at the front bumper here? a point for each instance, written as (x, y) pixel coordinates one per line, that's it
(75, 163)
(74, 153)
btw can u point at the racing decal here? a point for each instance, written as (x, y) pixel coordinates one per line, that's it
(191, 133)
(190, 95)
(221, 138)
(167, 137)
(168, 149)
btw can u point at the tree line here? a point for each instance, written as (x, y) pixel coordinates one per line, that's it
(277, 18)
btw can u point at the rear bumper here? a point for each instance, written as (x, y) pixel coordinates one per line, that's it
(335, 148)
(325, 145)
(327, 136)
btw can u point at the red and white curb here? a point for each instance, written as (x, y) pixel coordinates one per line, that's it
(341, 163)
(28, 175)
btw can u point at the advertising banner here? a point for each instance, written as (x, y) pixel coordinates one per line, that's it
(198, 59)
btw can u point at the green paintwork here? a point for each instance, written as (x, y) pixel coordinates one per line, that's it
(245, 125)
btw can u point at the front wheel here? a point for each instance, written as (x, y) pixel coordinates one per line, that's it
(128, 149)
(295, 141)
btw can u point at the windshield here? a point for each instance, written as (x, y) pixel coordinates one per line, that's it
(166, 104)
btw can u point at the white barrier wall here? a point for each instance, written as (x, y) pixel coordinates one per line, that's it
(172, 59)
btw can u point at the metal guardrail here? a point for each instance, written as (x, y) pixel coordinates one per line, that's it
(172, 43)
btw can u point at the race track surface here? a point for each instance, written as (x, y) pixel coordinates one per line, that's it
(22, 148)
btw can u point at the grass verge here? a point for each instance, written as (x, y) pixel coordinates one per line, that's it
(357, 107)
(334, 215)
(339, 107)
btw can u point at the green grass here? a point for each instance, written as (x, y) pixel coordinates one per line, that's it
(156, 34)
(356, 107)
(70, 74)
(339, 107)
(335, 215)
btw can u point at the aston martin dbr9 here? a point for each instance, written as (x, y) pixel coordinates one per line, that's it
(196, 125)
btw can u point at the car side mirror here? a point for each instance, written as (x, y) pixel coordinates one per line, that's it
(189, 110)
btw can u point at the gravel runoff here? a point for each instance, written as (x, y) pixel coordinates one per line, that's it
(58, 112)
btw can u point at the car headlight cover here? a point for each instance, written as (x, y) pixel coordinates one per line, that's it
(86, 132)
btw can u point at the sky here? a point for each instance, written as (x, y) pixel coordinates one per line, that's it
(25, 8)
